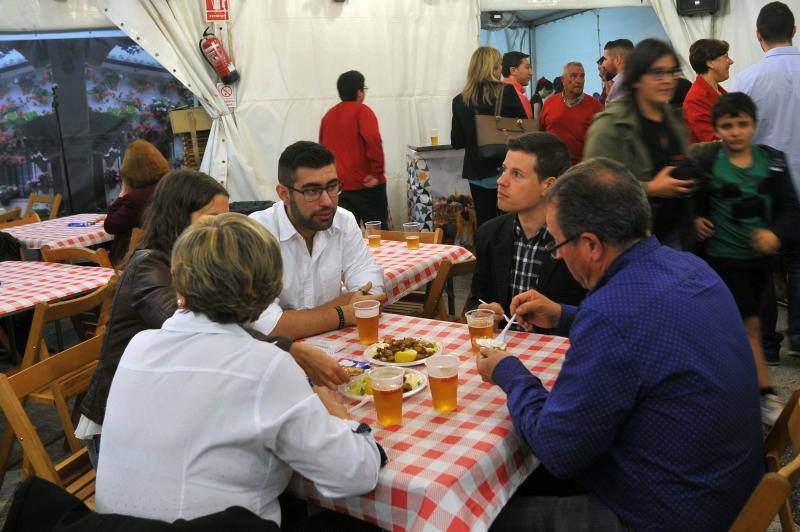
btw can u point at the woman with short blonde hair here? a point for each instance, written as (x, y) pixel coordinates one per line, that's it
(226, 419)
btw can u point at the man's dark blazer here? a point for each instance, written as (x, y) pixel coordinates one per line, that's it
(494, 247)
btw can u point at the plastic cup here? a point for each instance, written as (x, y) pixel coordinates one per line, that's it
(368, 314)
(434, 137)
(373, 231)
(411, 229)
(387, 390)
(481, 325)
(443, 380)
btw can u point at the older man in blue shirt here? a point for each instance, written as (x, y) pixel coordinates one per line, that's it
(656, 409)
(774, 85)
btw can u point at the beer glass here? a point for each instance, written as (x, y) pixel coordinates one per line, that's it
(368, 314)
(411, 230)
(387, 390)
(373, 230)
(434, 137)
(481, 325)
(443, 380)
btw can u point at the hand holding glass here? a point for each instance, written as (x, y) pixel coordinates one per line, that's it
(481, 325)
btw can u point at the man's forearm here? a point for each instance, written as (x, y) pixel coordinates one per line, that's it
(303, 323)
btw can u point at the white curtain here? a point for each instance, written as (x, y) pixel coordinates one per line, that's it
(413, 54)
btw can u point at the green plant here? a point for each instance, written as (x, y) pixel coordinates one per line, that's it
(7, 193)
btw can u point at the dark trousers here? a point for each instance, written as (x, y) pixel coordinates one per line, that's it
(485, 202)
(770, 338)
(368, 204)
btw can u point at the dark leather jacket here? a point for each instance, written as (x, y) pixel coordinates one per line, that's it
(144, 300)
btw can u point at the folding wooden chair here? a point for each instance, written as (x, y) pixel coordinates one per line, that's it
(34, 218)
(98, 257)
(53, 201)
(75, 473)
(10, 216)
(433, 304)
(69, 385)
(771, 496)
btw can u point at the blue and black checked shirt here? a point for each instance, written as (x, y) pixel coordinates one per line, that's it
(656, 409)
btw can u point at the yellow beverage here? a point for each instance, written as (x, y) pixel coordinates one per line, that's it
(444, 392)
(412, 241)
(434, 140)
(480, 330)
(374, 241)
(367, 319)
(388, 405)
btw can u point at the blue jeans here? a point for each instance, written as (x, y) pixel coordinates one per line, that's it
(770, 338)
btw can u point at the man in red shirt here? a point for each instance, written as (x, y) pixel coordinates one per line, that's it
(517, 71)
(568, 115)
(350, 130)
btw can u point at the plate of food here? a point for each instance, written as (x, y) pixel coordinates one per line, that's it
(401, 352)
(360, 387)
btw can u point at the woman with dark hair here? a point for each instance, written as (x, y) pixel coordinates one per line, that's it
(643, 132)
(544, 88)
(481, 91)
(709, 58)
(145, 296)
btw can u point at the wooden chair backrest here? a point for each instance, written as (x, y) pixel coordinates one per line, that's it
(425, 237)
(15, 388)
(447, 270)
(34, 218)
(70, 255)
(44, 313)
(771, 495)
(11, 215)
(53, 201)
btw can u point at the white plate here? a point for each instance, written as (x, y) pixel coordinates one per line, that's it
(344, 391)
(369, 353)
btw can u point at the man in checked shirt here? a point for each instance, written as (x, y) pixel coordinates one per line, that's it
(511, 248)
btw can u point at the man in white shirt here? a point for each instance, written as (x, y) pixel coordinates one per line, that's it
(615, 53)
(774, 85)
(326, 264)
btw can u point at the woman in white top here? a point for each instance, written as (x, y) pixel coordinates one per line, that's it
(225, 419)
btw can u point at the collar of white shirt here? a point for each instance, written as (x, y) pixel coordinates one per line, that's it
(193, 322)
(782, 50)
(286, 229)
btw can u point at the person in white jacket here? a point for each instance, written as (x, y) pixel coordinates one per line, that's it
(202, 416)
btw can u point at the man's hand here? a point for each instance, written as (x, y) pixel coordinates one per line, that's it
(332, 401)
(703, 228)
(663, 185)
(319, 367)
(487, 360)
(533, 309)
(765, 241)
(370, 181)
(101, 218)
(362, 294)
(497, 308)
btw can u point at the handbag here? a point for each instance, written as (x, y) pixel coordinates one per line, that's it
(493, 131)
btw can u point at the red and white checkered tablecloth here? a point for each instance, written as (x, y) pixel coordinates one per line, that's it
(23, 284)
(405, 269)
(446, 471)
(57, 234)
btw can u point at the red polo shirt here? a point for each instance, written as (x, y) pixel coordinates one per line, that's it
(569, 123)
(697, 110)
(350, 131)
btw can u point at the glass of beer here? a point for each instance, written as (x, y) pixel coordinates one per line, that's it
(481, 325)
(368, 314)
(434, 137)
(443, 379)
(411, 229)
(387, 390)
(373, 230)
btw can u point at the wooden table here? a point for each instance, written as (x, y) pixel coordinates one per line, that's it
(446, 471)
(405, 270)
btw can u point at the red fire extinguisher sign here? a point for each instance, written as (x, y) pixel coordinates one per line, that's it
(216, 10)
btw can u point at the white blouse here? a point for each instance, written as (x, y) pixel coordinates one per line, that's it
(202, 417)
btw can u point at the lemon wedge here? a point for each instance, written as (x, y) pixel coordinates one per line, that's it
(401, 357)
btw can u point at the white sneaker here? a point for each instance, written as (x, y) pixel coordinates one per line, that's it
(771, 408)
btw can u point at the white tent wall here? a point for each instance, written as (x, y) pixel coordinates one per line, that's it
(413, 54)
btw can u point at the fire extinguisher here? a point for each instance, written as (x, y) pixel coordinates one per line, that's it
(217, 57)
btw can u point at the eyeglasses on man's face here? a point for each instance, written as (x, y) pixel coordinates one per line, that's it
(661, 73)
(552, 247)
(313, 193)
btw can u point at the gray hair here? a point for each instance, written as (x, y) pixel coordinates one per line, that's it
(601, 196)
(573, 63)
